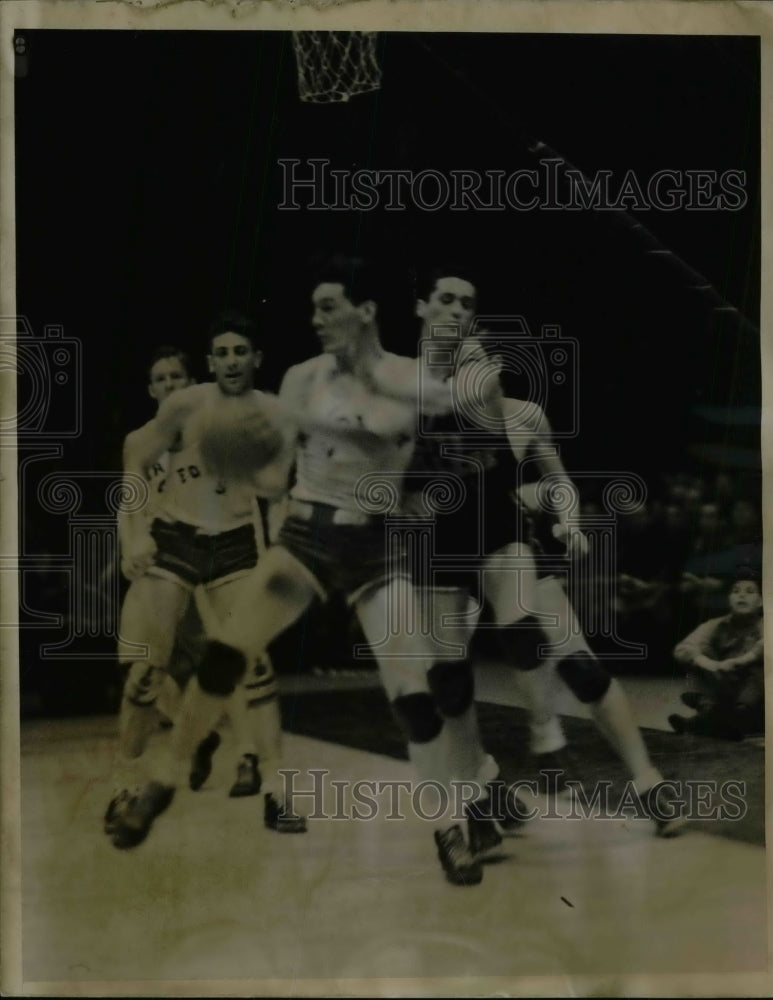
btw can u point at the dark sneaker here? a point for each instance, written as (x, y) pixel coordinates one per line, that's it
(508, 814)
(678, 723)
(201, 767)
(133, 824)
(118, 805)
(277, 818)
(248, 779)
(481, 829)
(665, 808)
(556, 770)
(694, 699)
(460, 866)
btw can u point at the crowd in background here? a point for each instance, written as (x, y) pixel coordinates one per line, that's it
(678, 554)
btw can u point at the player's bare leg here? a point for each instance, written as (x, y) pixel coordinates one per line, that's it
(266, 602)
(257, 726)
(388, 618)
(279, 587)
(215, 606)
(578, 668)
(451, 681)
(149, 617)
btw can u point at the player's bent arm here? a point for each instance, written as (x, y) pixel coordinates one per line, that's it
(527, 427)
(147, 444)
(141, 448)
(137, 547)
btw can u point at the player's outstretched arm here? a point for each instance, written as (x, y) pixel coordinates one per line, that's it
(419, 382)
(134, 560)
(294, 394)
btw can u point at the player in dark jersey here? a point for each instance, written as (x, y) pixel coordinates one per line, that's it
(482, 541)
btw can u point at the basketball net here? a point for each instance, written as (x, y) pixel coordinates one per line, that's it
(335, 65)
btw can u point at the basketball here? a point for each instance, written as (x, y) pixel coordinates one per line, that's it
(237, 438)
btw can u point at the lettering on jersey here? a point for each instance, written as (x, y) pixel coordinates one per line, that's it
(161, 484)
(188, 471)
(156, 470)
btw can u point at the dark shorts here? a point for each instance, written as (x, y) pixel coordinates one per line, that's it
(488, 519)
(347, 558)
(194, 558)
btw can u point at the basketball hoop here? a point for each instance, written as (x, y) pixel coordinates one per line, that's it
(335, 65)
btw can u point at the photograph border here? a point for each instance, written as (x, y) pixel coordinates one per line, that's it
(562, 16)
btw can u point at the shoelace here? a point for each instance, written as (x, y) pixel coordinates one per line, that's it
(457, 849)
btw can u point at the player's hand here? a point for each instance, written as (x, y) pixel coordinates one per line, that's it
(138, 557)
(576, 541)
(478, 376)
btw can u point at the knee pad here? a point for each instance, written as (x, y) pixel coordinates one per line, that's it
(453, 686)
(260, 683)
(418, 717)
(584, 676)
(143, 683)
(221, 668)
(519, 644)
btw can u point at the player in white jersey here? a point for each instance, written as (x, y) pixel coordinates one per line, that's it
(201, 536)
(341, 430)
(169, 370)
(490, 525)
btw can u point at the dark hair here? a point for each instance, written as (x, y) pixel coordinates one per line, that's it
(167, 351)
(358, 277)
(746, 574)
(233, 322)
(426, 281)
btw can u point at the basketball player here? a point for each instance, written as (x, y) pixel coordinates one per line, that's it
(169, 370)
(488, 527)
(339, 428)
(202, 535)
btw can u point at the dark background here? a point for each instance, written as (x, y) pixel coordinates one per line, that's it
(147, 192)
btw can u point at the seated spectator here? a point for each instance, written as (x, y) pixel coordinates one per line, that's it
(725, 656)
(745, 523)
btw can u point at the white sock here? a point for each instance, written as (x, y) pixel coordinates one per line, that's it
(646, 780)
(546, 737)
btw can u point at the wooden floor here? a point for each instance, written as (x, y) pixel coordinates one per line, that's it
(213, 896)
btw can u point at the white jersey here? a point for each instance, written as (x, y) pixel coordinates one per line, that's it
(330, 464)
(189, 494)
(157, 474)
